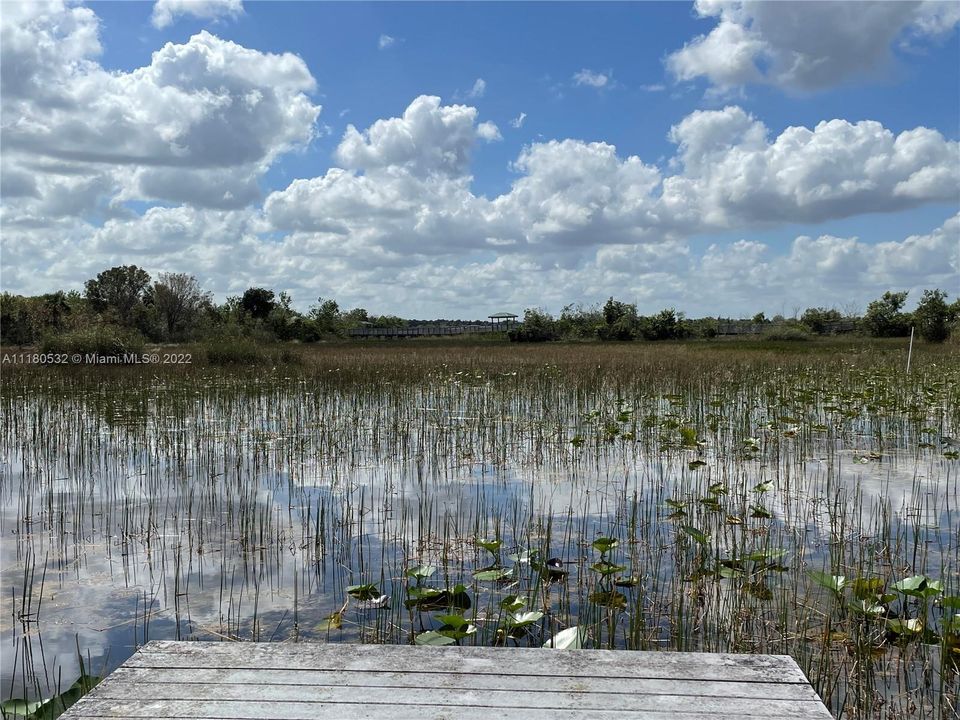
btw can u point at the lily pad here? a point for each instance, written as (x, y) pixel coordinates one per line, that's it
(605, 544)
(527, 618)
(512, 603)
(919, 586)
(609, 598)
(363, 592)
(493, 574)
(572, 638)
(333, 621)
(436, 599)
(20, 707)
(432, 637)
(421, 572)
(831, 582)
(701, 537)
(492, 546)
(912, 626)
(865, 588)
(606, 568)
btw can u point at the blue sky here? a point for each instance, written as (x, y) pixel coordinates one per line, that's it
(654, 161)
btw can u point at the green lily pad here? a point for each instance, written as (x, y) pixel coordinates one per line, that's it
(606, 568)
(831, 582)
(493, 574)
(701, 537)
(609, 598)
(912, 626)
(432, 637)
(363, 592)
(492, 546)
(421, 572)
(605, 544)
(919, 586)
(512, 603)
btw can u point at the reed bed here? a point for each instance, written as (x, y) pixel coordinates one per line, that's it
(684, 497)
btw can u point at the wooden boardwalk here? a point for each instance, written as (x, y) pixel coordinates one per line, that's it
(421, 331)
(388, 682)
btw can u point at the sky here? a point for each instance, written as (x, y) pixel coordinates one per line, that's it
(459, 159)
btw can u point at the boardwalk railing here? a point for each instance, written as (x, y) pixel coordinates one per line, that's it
(420, 331)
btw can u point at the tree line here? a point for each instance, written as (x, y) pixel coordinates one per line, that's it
(125, 304)
(933, 319)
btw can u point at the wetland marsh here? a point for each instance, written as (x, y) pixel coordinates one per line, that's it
(646, 496)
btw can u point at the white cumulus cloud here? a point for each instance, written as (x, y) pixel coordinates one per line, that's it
(733, 174)
(165, 12)
(803, 45)
(199, 125)
(397, 224)
(832, 271)
(428, 138)
(405, 186)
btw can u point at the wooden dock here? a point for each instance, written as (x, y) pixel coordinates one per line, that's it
(388, 682)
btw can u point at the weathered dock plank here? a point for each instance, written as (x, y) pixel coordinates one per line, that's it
(307, 681)
(455, 680)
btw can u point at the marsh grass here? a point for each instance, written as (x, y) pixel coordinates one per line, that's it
(701, 496)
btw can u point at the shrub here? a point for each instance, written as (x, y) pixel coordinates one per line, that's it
(621, 320)
(819, 320)
(241, 351)
(787, 333)
(102, 340)
(624, 328)
(668, 324)
(883, 317)
(933, 316)
(537, 326)
(580, 323)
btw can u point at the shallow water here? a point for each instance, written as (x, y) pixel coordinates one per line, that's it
(235, 514)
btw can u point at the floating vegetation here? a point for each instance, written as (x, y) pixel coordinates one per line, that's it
(637, 497)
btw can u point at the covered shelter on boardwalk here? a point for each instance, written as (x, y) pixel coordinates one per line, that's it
(502, 321)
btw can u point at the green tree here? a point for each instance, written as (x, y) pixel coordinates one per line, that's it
(258, 302)
(16, 323)
(286, 323)
(388, 321)
(579, 322)
(178, 298)
(818, 320)
(621, 321)
(668, 324)
(537, 326)
(614, 310)
(119, 290)
(933, 316)
(53, 312)
(355, 318)
(326, 316)
(883, 317)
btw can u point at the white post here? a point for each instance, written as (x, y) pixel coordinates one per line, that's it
(910, 351)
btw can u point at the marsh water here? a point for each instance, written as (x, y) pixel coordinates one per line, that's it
(241, 506)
